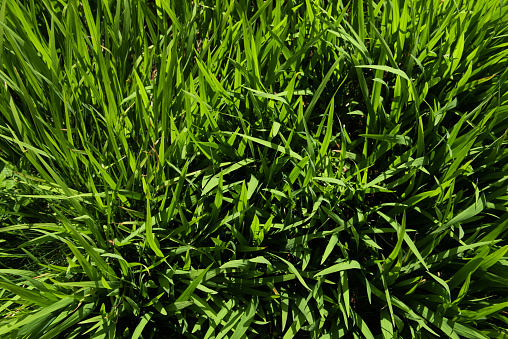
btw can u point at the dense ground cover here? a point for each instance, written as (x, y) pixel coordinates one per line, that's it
(249, 169)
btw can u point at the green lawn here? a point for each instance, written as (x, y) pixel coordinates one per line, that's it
(253, 169)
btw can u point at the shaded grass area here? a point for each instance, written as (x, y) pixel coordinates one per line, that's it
(253, 169)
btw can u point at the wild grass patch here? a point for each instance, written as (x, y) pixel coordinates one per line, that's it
(253, 169)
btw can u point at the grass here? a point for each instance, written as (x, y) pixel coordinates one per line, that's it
(253, 169)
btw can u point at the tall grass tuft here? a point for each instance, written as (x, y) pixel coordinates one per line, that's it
(253, 169)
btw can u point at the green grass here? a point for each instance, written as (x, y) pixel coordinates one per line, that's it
(253, 169)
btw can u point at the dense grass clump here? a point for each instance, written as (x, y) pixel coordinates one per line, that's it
(253, 169)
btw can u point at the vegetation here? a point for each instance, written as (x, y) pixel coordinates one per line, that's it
(253, 169)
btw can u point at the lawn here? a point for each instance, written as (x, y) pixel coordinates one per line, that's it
(253, 169)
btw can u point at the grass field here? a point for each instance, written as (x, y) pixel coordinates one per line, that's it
(253, 169)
